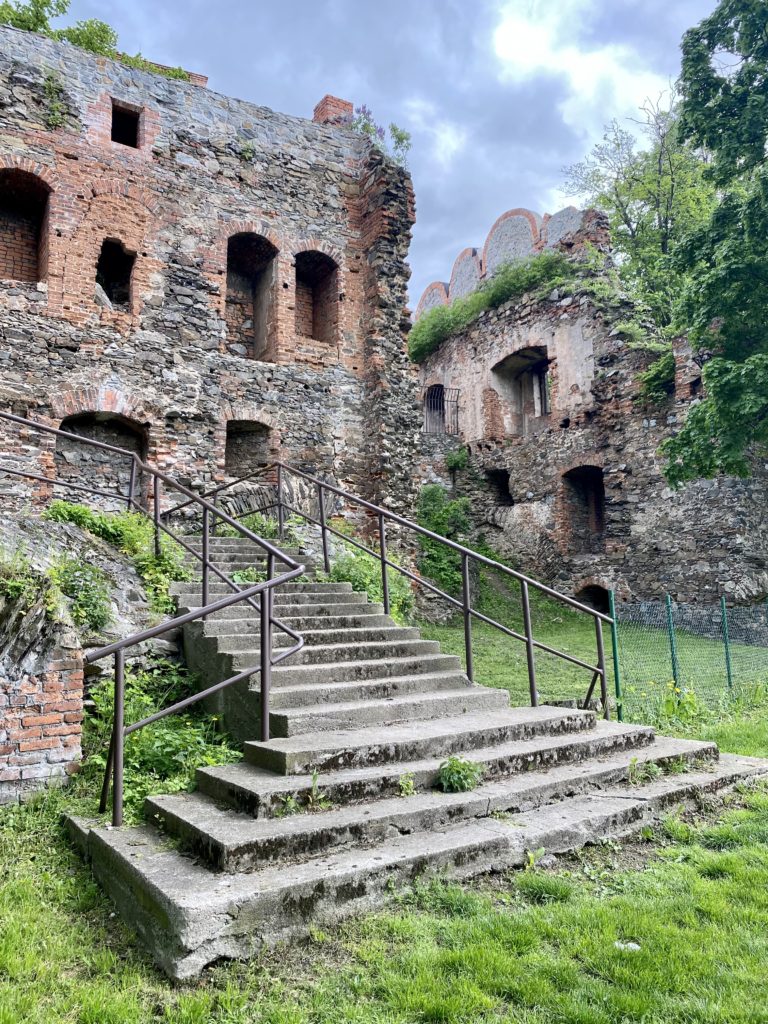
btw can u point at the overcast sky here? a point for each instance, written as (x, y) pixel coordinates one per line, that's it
(499, 95)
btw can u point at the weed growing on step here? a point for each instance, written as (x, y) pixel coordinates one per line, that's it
(249, 575)
(532, 858)
(640, 772)
(316, 799)
(458, 775)
(287, 804)
(133, 534)
(406, 784)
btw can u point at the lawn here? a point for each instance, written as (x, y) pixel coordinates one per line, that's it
(538, 947)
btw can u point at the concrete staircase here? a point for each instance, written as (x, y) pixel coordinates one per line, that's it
(341, 804)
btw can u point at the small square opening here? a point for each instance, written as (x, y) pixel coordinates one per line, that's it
(125, 126)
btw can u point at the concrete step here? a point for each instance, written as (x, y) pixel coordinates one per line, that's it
(306, 624)
(369, 711)
(290, 674)
(376, 689)
(189, 916)
(381, 650)
(261, 793)
(360, 748)
(293, 613)
(219, 588)
(249, 640)
(232, 841)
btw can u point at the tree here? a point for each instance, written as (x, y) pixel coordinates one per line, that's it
(724, 86)
(652, 195)
(92, 35)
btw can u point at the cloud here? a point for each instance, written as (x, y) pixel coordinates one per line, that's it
(536, 38)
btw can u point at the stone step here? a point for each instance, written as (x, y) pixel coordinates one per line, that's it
(360, 748)
(369, 711)
(232, 841)
(262, 793)
(375, 651)
(376, 689)
(290, 613)
(219, 588)
(290, 674)
(240, 544)
(249, 640)
(189, 916)
(218, 625)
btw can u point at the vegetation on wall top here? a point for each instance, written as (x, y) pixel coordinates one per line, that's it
(546, 270)
(92, 35)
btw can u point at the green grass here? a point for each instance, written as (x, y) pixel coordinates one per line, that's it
(535, 947)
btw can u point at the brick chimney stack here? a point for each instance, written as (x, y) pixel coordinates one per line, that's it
(332, 110)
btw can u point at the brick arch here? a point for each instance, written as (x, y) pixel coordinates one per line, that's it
(314, 244)
(108, 396)
(217, 259)
(592, 459)
(116, 187)
(37, 170)
(534, 224)
(244, 412)
(111, 214)
(435, 294)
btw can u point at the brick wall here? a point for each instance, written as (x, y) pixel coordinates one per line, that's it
(180, 355)
(41, 700)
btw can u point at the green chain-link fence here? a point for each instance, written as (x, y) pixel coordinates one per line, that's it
(674, 658)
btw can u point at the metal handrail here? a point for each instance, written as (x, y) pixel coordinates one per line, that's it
(264, 590)
(464, 604)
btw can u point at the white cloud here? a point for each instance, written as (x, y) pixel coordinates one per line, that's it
(446, 138)
(604, 80)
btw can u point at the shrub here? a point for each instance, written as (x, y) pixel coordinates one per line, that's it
(363, 571)
(448, 518)
(133, 533)
(457, 775)
(88, 588)
(162, 757)
(19, 581)
(457, 459)
(512, 280)
(657, 383)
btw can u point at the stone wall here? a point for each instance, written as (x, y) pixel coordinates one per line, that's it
(176, 362)
(575, 494)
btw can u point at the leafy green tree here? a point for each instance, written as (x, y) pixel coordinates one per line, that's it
(92, 35)
(724, 86)
(653, 194)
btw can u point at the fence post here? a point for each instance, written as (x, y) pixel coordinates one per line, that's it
(616, 663)
(266, 654)
(727, 643)
(672, 641)
(384, 567)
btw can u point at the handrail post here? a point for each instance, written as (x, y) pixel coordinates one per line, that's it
(157, 516)
(601, 666)
(206, 557)
(118, 739)
(280, 511)
(323, 530)
(466, 598)
(530, 651)
(131, 484)
(383, 556)
(214, 518)
(266, 657)
(616, 656)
